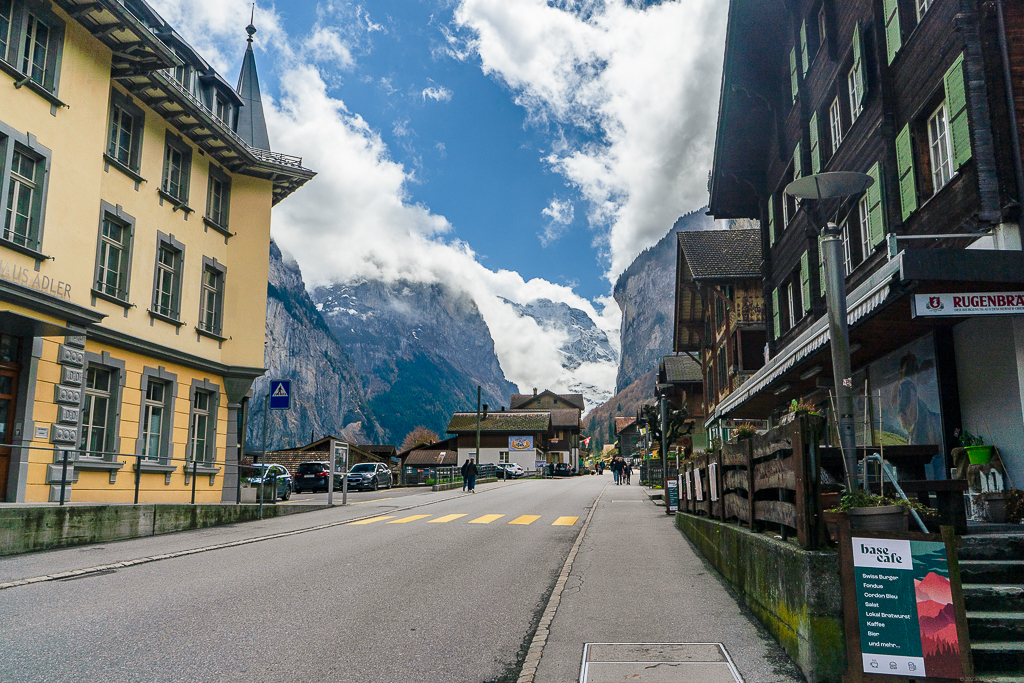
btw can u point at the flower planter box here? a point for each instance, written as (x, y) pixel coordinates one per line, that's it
(884, 518)
(979, 455)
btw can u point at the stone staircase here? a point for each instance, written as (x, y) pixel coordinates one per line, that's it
(992, 574)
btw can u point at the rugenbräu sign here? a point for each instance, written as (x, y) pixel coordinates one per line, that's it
(968, 303)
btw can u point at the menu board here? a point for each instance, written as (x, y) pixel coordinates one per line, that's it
(907, 608)
(672, 495)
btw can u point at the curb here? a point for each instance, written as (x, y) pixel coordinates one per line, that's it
(540, 636)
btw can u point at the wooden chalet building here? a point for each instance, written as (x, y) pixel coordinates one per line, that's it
(518, 436)
(630, 440)
(720, 317)
(685, 375)
(927, 97)
(566, 415)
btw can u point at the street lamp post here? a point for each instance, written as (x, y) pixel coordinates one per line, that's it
(831, 186)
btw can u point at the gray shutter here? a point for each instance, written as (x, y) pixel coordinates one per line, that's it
(775, 313)
(771, 220)
(956, 104)
(858, 63)
(798, 161)
(893, 35)
(905, 167)
(815, 146)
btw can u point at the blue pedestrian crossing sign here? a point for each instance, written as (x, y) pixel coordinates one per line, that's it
(280, 394)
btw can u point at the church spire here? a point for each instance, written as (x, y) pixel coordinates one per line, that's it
(252, 126)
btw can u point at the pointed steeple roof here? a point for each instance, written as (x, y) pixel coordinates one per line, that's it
(252, 126)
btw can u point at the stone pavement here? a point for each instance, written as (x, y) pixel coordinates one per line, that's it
(636, 579)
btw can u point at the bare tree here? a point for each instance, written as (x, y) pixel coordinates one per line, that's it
(417, 437)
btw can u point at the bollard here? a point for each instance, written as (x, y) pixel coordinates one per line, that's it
(138, 476)
(63, 477)
(273, 487)
(194, 464)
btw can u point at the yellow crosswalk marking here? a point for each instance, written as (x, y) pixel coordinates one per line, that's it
(565, 521)
(486, 519)
(446, 518)
(371, 520)
(525, 519)
(412, 518)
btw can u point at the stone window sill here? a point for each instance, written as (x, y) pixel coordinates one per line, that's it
(166, 318)
(222, 229)
(90, 464)
(127, 170)
(211, 335)
(177, 202)
(154, 466)
(21, 80)
(100, 294)
(28, 251)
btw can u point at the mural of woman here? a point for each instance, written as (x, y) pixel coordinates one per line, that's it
(918, 420)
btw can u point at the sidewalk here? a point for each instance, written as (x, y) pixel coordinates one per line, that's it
(636, 579)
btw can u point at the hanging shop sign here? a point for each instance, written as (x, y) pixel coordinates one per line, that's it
(698, 486)
(903, 605)
(968, 303)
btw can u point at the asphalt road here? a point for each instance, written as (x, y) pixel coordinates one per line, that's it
(396, 599)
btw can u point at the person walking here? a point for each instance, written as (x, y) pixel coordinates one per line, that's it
(462, 469)
(626, 471)
(470, 475)
(617, 470)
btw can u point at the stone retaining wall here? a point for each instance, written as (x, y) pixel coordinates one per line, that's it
(795, 593)
(33, 528)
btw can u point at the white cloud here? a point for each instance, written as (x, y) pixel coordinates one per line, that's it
(356, 220)
(632, 92)
(438, 93)
(327, 45)
(560, 214)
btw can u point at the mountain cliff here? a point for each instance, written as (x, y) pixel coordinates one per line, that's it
(645, 293)
(586, 347)
(421, 350)
(299, 346)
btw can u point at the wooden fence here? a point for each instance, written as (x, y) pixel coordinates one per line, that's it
(769, 481)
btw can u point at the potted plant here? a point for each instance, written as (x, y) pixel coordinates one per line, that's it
(977, 451)
(747, 430)
(872, 512)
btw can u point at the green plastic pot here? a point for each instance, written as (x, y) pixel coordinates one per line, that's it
(979, 455)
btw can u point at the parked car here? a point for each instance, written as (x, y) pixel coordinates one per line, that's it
(366, 476)
(312, 476)
(562, 469)
(267, 473)
(513, 470)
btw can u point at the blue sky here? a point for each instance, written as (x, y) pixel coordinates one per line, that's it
(513, 149)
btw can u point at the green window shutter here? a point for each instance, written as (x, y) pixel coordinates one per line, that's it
(956, 105)
(771, 220)
(815, 147)
(893, 36)
(821, 271)
(794, 78)
(858, 61)
(905, 166)
(876, 208)
(776, 316)
(798, 161)
(804, 57)
(805, 280)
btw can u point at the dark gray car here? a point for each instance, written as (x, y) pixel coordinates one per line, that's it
(367, 476)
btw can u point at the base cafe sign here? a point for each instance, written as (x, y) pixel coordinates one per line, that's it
(910, 614)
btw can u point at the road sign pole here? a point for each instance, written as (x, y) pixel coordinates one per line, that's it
(263, 456)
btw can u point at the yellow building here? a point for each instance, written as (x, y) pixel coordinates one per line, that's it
(137, 189)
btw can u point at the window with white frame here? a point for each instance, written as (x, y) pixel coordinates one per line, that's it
(939, 148)
(199, 429)
(6, 19)
(32, 41)
(503, 457)
(847, 256)
(922, 7)
(124, 141)
(835, 124)
(167, 286)
(791, 308)
(177, 168)
(34, 54)
(865, 226)
(212, 299)
(114, 258)
(154, 415)
(856, 90)
(98, 412)
(24, 199)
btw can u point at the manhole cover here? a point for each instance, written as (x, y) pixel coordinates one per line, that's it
(657, 663)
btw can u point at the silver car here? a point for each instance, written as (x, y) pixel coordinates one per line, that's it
(367, 476)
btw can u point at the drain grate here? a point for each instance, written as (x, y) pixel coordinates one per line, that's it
(657, 663)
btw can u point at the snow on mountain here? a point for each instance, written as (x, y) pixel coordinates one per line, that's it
(589, 361)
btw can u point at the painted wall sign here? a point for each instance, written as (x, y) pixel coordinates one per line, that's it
(910, 616)
(520, 443)
(987, 303)
(672, 495)
(25, 276)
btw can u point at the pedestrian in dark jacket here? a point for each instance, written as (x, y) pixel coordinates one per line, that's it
(463, 471)
(626, 471)
(469, 476)
(617, 470)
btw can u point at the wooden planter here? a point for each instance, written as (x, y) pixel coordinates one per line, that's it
(884, 518)
(832, 520)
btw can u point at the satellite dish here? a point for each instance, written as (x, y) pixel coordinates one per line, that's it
(830, 185)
